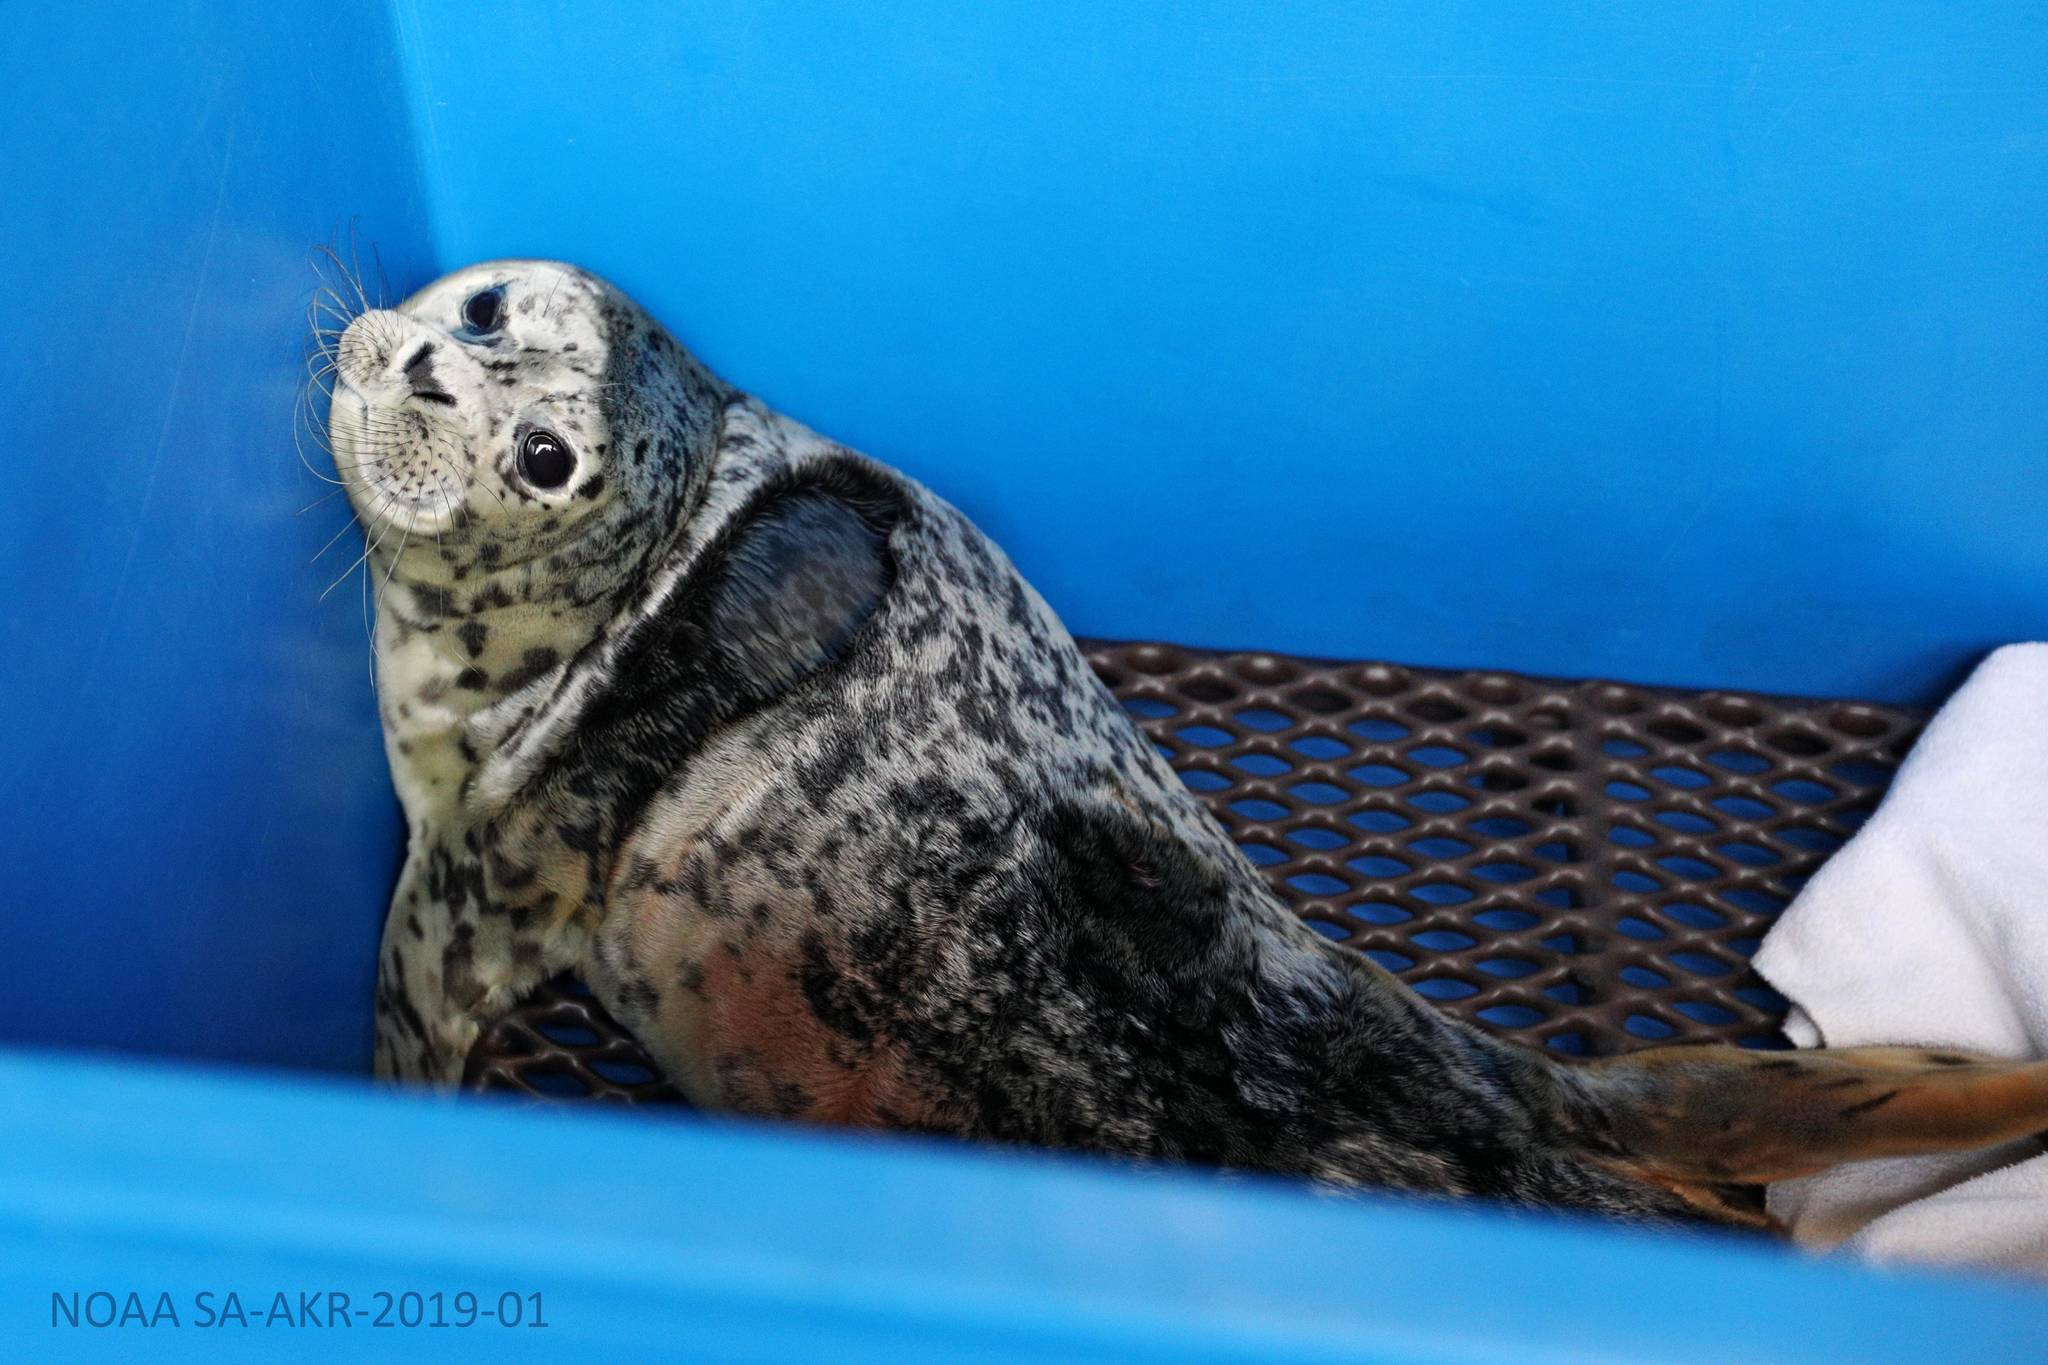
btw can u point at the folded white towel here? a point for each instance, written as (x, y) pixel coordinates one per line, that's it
(1930, 928)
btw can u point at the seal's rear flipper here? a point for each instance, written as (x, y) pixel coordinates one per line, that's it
(1697, 1119)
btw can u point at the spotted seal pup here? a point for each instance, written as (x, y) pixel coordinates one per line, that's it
(780, 753)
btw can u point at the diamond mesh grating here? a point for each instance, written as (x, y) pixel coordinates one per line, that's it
(559, 1043)
(1582, 866)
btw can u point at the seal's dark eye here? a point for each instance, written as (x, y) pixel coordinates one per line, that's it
(484, 311)
(544, 461)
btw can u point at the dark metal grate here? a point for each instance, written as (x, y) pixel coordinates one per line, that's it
(559, 1043)
(1583, 866)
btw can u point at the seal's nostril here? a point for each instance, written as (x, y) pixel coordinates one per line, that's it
(419, 372)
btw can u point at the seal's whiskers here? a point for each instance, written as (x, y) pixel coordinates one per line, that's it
(370, 539)
(326, 497)
(346, 527)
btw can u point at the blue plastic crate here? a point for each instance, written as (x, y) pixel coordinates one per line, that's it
(1701, 349)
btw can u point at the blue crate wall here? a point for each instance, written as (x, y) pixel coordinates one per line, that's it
(200, 833)
(731, 1242)
(1701, 349)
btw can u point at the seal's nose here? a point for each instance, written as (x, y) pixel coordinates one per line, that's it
(419, 374)
(367, 347)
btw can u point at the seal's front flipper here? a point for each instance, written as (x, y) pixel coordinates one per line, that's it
(780, 595)
(1699, 1117)
(798, 583)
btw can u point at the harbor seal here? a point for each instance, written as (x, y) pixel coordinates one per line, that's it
(778, 751)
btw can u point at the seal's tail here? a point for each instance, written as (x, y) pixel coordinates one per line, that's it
(1697, 1120)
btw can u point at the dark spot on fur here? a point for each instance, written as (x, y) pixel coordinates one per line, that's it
(582, 838)
(432, 601)
(835, 1000)
(532, 664)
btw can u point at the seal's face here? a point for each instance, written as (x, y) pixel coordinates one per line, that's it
(521, 443)
(476, 408)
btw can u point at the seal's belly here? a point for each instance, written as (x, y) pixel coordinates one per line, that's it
(739, 983)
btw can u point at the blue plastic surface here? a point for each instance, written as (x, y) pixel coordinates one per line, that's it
(200, 833)
(201, 829)
(691, 1240)
(1589, 342)
(1702, 347)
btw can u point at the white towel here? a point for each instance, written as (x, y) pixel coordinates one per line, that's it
(1930, 928)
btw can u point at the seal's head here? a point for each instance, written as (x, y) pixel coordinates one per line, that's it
(514, 412)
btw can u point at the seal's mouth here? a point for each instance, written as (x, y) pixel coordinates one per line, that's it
(401, 463)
